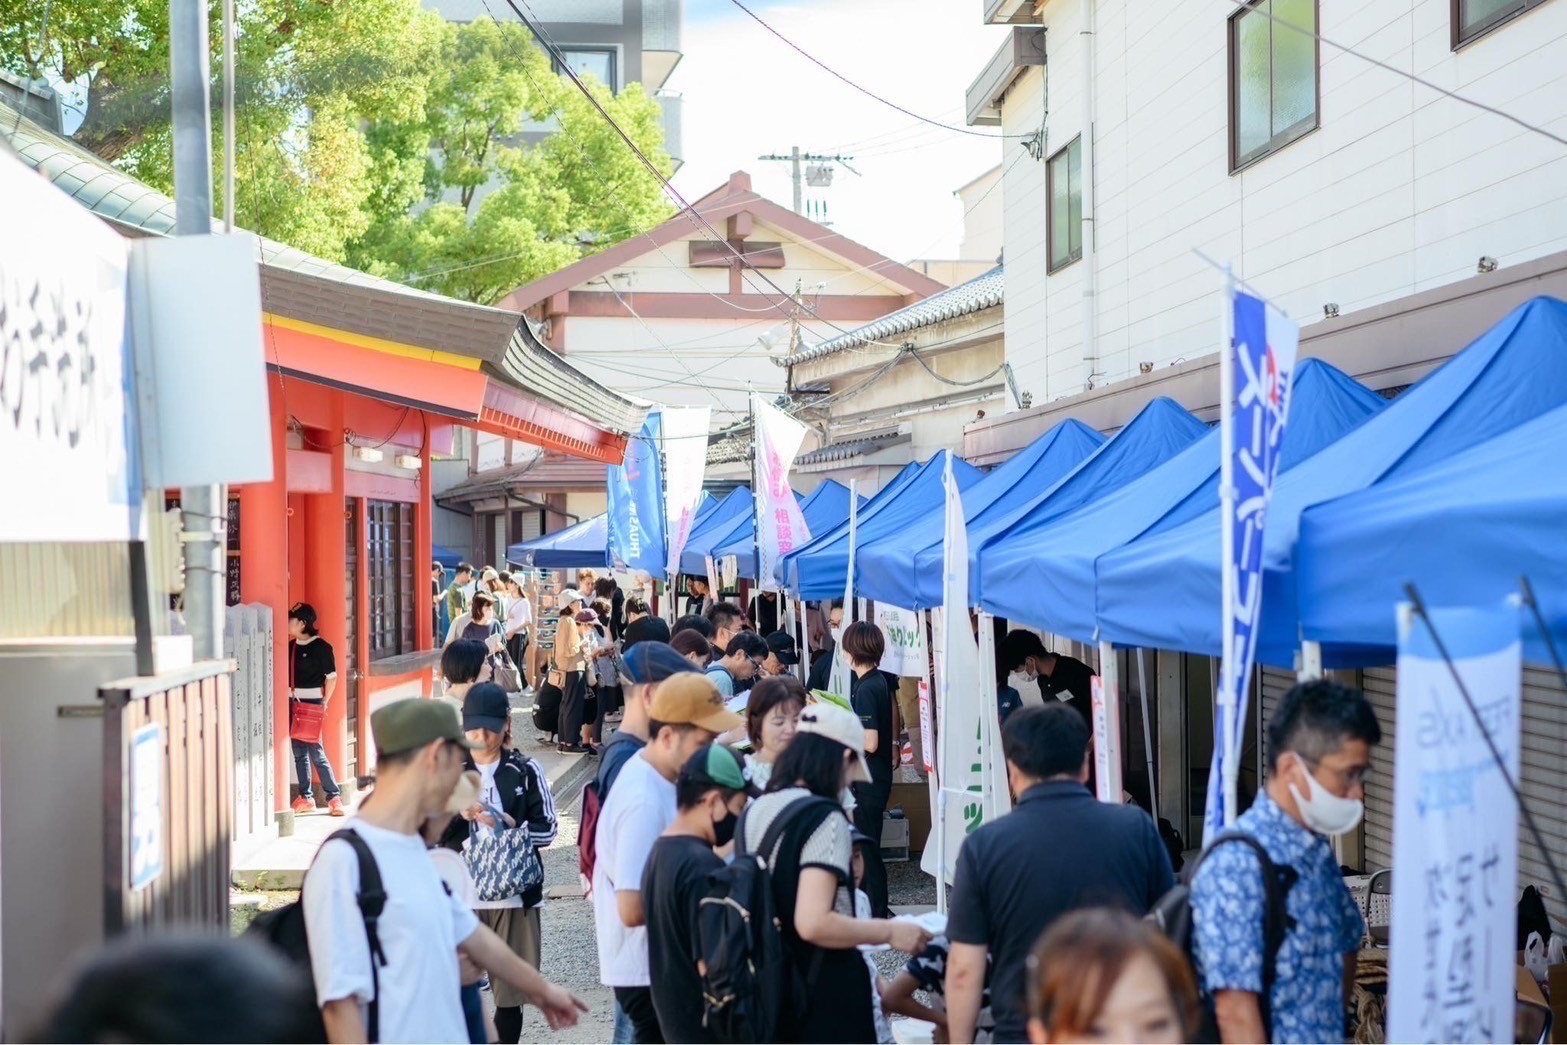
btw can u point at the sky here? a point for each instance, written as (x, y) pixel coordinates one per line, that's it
(746, 93)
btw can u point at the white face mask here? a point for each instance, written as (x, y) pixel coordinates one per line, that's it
(1323, 811)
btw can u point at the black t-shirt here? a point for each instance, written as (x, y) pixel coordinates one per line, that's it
(764, 614)
(646, 629)
(1059, 850)
(871, 701)
(312, 662)
(673, 884)
(1072, 676)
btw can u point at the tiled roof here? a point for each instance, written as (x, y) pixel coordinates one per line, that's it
(853, 448)
(730, 445)
(307, 288)
(549, 470)
(979, 293)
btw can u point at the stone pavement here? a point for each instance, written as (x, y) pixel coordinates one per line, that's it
(279, 863)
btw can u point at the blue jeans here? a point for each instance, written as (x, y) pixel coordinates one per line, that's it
(304, 756)
(625, 1031)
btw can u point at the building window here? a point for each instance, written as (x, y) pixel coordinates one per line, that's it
(1064, 204)
(389, 571)
(596, 62)
(1273, 77)
(1474, 18)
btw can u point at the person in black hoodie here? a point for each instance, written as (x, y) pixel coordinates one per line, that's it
(516, 786)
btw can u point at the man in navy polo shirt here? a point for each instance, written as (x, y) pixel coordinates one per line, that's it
(1059, 849)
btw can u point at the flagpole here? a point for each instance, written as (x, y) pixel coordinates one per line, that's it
(756, 485)
(1226, 688)
(671, 569)
(1142, 689)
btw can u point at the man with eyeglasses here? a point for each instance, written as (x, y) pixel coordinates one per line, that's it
(1319, 746)
(741, 660)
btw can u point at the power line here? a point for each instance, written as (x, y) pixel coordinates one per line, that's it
(864, 90)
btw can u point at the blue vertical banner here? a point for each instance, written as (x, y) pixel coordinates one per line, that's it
(636, 504)
(1262, 360)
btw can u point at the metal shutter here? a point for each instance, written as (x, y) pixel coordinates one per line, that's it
(1275, 683)
(1380, 685)
(1544, 763)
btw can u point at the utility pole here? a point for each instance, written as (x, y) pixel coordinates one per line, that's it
(794, 159)
(205, 508)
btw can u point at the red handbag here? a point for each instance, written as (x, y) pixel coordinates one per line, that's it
(304, 721)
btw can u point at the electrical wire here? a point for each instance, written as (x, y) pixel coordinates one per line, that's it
(864, 90)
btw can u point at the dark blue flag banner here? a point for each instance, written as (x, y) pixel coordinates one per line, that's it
(1263, 359)
(636, 504)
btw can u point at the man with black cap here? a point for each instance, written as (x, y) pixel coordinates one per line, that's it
(420, 750)
(781, 655)
(709, 794)
(645, 665)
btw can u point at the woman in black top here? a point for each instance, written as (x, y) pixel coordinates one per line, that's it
(641, 625)
(312, 677)
(864, 645)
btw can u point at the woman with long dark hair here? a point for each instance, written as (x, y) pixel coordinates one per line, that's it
(312, 678)
(813, 881)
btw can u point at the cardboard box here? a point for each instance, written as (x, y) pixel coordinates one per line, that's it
(915, 800)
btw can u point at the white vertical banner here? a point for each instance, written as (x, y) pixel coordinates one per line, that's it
(684, 437)
(780, 526)
(1105, 691)
(838, 677)
(967, 766)
(1455, 828)
(905, 635)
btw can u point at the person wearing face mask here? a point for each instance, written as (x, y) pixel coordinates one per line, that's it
(1064, 678)
(1319, 744)
(821, 663)
(709, 795)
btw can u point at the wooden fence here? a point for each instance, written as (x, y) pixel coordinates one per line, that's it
(168, 798)
(248, 641)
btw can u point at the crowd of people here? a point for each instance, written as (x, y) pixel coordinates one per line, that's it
(723, 756)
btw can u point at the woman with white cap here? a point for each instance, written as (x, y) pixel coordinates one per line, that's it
(567, 670)
(813, 880)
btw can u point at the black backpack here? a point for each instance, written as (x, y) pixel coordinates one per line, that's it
(546, 708)
(284, 929)
(749, 972)
(1173, 915)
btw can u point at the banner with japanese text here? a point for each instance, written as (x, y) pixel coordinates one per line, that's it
(1265, 344)
(67, 396)
(970, 770)
(905, 641)
(683, 433)
(1106, 705)
(1455, 827)
(780, 526)
(636, 503)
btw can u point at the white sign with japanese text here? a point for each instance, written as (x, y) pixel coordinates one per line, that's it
(67, 415)
(905, 641)
(780, 525)
(1455, 828)
(1107, 741)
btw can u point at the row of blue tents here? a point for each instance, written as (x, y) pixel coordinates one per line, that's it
(1459, 485)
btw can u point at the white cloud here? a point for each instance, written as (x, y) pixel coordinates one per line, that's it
(747, 93)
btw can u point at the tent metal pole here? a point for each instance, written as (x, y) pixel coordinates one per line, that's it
(1142, 692)
(1310, 662)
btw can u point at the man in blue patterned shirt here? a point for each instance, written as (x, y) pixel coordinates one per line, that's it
(1319, 743)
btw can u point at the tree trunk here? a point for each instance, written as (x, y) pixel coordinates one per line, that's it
(120, 115)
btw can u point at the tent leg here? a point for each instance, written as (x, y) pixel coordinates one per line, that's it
(1310, 660)
(1142, 692)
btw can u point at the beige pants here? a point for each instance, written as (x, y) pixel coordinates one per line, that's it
(909, 712)
(524, 934)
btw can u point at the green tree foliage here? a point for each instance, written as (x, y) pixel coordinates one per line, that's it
(372, 132)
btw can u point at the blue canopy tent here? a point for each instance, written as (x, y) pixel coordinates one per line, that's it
(708, 531)
(904, 568)
(581, 546)
(445, 556)
(1044, 575)
(896, 483)
(823, 508)
(1162, 590)
(819, 570)
(741, 533)
(1160, 430)
(1463, 530)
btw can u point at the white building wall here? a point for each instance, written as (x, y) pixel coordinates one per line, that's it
(983, 217)
(1399, 190)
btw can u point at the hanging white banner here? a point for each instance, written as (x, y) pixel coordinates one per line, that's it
(67, 415)
(905, 640)
(780, 526)
(684, 438)
(1107, 739)
(968, 761)
(1455, 829)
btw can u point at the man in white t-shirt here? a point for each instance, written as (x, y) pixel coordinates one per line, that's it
(687, 713)
(419, 757)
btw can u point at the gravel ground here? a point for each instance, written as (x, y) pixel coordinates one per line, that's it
(571, 956)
